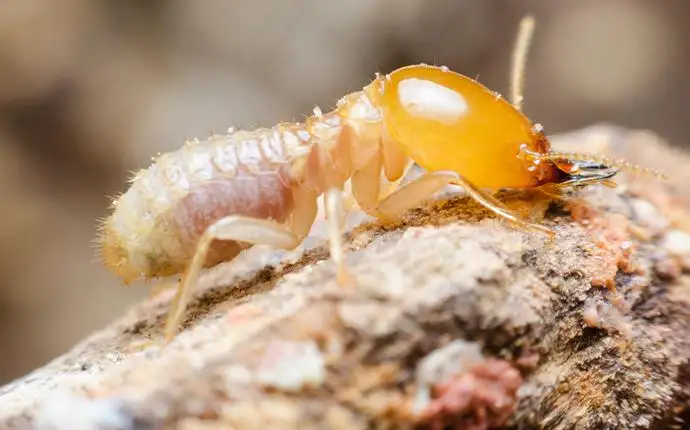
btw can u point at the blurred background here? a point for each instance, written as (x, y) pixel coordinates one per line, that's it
(91, 89)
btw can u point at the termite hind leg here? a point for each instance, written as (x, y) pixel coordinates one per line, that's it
(335, 215)
(231, 228)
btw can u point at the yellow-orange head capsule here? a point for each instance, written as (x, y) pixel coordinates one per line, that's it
(447, 121)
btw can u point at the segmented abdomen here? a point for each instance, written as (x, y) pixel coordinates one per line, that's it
(158, 221)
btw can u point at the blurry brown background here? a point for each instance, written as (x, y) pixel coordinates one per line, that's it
(91, 89)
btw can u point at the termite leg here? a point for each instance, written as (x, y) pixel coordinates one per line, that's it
(348, 200)
(337, 205)
(366, 186)
(366, 190)
(389, 187)
(369, 187)
(242, 229)
(414, 193)
(335, 215)
(235, 228)
(349, 203)
(500, 209)
(428, 184)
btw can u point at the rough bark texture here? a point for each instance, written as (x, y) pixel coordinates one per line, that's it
(456, 320)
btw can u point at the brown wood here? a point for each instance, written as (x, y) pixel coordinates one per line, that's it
(450, 303)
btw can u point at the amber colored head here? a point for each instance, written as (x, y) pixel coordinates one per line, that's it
(447, 121)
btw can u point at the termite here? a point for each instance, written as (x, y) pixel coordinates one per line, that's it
(205, 203)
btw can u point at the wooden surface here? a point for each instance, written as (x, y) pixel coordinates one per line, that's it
(455, 319)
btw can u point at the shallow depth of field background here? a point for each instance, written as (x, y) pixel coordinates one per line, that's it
(92, 89)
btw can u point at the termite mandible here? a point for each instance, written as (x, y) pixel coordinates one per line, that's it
(205, 203)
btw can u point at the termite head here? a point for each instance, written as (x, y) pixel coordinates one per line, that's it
(579, 169)
(447, 121)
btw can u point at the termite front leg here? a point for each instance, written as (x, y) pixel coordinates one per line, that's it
(365, 189)
(413, 194)
(500, 209)
(242, 229)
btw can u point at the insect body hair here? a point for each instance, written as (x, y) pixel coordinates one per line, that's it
(155, 225)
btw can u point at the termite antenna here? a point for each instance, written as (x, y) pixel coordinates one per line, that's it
(575, 157)
(520, 52)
